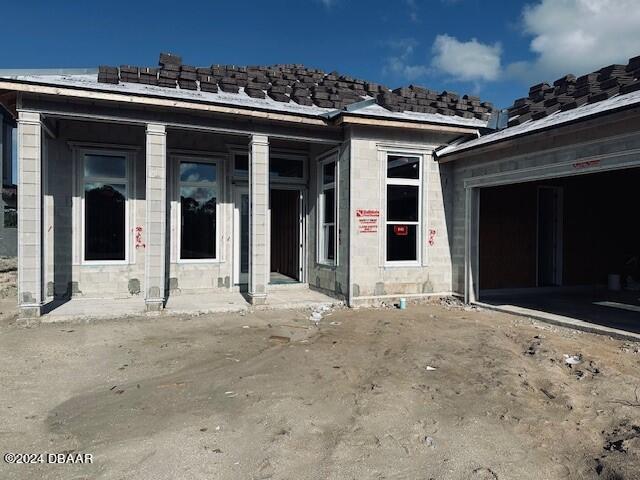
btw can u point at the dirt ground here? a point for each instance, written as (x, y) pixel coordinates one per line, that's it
(431, 392)
(8, 274)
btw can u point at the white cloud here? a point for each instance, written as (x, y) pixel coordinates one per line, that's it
(399, 65)
(578, 36)
(470, 61)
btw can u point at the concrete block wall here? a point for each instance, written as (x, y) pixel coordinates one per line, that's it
(155, 215)
(30, 294)
(529, 159)
(370, 277)
(258, 218)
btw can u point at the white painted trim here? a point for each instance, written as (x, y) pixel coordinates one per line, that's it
(219, 190)
(320, 239)
(302, 219)
(96, 145)
(405, 148)
(386, 181)
(195, 153)
(471, 254)
(129, 182)
(238, 191)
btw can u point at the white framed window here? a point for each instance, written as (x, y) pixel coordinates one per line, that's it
(328, 211)
(198, 204)
(403, 213)
(105, 192)
(284, 166)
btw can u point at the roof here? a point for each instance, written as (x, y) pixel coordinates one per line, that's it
(568, 100)
(290, 88)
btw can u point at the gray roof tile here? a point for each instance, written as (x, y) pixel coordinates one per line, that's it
(303, 85)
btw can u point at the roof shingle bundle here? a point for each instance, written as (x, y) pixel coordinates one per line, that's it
(570, 92)
(297, 83)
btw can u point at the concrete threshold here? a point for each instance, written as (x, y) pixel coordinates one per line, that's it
(562, 321)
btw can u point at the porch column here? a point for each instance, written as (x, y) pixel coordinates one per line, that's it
(30, 214)
(156, 217)
(258, 218)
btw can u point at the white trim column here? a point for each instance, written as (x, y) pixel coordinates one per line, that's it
(258, 218)
(30, 276)
(155, 216)
(472, 244)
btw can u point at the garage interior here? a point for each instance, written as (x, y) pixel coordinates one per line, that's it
(567, 246)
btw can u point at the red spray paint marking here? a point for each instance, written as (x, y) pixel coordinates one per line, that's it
(139, 242)
(432, 236)
(586, 164)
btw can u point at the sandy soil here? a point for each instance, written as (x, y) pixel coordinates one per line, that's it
(431, 392)
(8, 274)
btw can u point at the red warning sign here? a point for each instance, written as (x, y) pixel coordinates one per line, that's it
(401, 230)
(362, 212)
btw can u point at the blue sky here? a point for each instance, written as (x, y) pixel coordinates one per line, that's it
(496, 49)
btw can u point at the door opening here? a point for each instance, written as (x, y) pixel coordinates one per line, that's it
(286, 236)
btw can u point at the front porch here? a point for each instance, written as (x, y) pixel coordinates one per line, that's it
(118, 218)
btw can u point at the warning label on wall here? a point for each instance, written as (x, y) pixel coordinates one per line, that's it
(367, 220)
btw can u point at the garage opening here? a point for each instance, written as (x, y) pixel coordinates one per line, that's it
(566, 246)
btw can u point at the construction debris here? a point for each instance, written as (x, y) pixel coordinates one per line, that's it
(573, 359)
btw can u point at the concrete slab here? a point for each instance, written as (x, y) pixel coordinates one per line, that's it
(588, 310)
(219, 302)
(93, 308)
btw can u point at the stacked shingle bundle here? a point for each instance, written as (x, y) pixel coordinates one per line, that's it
(149, 76)
(129, 73)
(570, 92)
(633, 70)
(305, 86)
(419, 99)
(169, 70)
(108, 74)
(187, 78)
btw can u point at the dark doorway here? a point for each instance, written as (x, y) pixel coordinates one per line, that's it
(285, 236)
